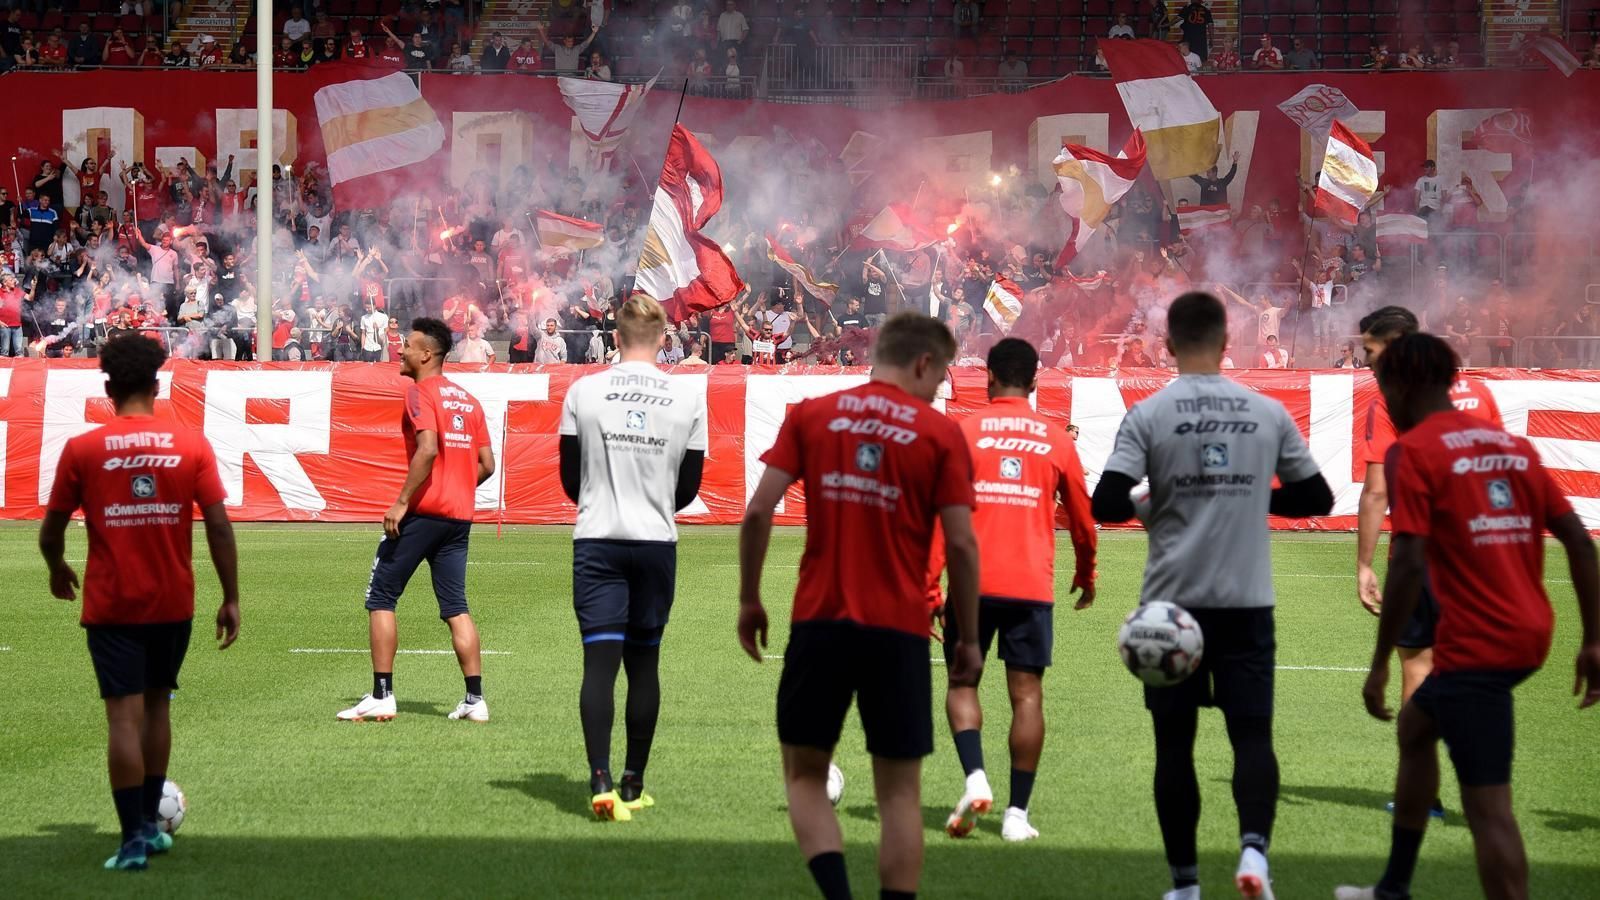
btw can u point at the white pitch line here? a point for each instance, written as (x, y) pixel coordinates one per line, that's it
(505, 562)
(408, 652)
(5, 649)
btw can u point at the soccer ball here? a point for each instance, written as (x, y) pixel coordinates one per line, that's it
(1161, 643)
(835, 784)
(169, 814)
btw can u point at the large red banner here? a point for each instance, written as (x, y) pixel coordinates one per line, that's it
(321, 442)
(494, 124)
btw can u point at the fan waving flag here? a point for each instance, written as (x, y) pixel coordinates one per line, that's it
(1091, 182)
(1397, 231)
(1349, 175)
(371, 126)
(1553, 51)
(679, 266)
(1179, 123)
(894, 228)
(605, 110)
(1004, 303)
(567, 233)
(1196, 218)
(819, 289)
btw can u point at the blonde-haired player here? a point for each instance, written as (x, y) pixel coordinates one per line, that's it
(633, 443)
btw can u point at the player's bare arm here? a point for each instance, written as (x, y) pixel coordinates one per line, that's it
(961, 562)
(1584, 565)
(53, 545)
(485, 463)
(421, 468)
(755, 535)
(1408, 566)
(1369, 525)
(1073, 495)
(225, 557)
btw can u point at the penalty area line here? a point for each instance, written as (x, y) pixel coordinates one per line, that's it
(403, 652)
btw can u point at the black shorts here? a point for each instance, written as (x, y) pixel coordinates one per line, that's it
(1418, 633)
(443, 543)
(132, 659)
(1473, 711)
(1236, 666)
(1026, 630)
(622, 590)
(888, 673)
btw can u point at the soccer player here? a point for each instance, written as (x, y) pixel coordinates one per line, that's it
(137, 480)
(1470, 504)
(1022, 463)
(1415, 644)
(447, 444)
(880, 465)
(1211, 448)
(633, 445)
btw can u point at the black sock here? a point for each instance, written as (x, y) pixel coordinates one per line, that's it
(886, 894)
(474, 688)
(643, 665)
(1404, 845)
(1021, 787)
(600, 781)
(969, 749)
(597, 705)
(382, 684)
(1178, 794)
(130, 810)
(1184, 876)
(828, 870)
(150, 801)
(1255, 779)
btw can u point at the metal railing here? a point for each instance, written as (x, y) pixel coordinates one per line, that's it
(887, 70)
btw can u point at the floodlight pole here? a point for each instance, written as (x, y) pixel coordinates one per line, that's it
(265, 193)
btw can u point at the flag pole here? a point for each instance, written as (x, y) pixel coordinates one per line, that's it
(264, 156)
(888, 269)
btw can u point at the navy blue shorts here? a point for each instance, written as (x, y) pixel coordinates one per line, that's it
(443, 543)
(132, 659)
(1026, 630)
(1475, 716)
(1418, 633)
(622, 590)
(1236, 667)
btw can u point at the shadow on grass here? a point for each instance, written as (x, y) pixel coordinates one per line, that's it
(64, 861)
(1556, 820)
(1359, 798)
(566, 794)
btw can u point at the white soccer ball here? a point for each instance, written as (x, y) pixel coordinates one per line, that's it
(1161, 643)
(835, 784)
(170, 813)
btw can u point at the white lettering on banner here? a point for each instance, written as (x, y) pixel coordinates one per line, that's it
(960, 159)
(272, 446)
(1448, 130)
(5, 390)
(169, 157)
(497, 391)
(495, 142)
(767, 399)
(237, 137)
(1517, 397)
(81, 129)
(67, 393)
(1332, 425)
(1097, 410)
(1048, 134)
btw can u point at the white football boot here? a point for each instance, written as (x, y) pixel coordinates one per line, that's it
(1192, 892)
(1252, 879)
(1347, 892)
(472, 712)
(1015, 827)
(977, 801)
(370, 708)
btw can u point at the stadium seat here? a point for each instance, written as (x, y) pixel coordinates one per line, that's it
(1358, 6)
(52, 19)
(1072, 26)
(989, 45)
(367, 8)
(77, 19)
(1386, 25)
(1360, 45)
(1332, 44)
(1358, 24)
(1466, 23)
(129, 24)
(103, 23)
(1047, 8)
(1278, 25)
(360, 24)
(1305, 24)
(944, 9)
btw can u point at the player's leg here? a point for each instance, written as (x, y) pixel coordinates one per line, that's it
(652, 581)
(447, 565)
(894, 695)
(118, 654)
(966, 728)
(1477, 721)
(600, 600)
(1243, 645)
(814, 693)
(167, 645)
(392, 566)
(1497, 842)
(1415, 649)
(1027, 637)
(1177, 790)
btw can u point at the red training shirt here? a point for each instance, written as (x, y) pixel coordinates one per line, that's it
(878, 464)
(455, 416)
(1023, 462)
(138, 479)
(1482, 500)
(1468, 396)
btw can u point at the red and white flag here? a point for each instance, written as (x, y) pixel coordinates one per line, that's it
(373, 127)
(894, 228)
(1181, 126)
(1349, 175)
(1197, 218)
(604, 111)
(1004, 303)
(1091, 182)
(1397, 231)
(684, 269)
(1553, 51)
(819, 289)
(567, 233)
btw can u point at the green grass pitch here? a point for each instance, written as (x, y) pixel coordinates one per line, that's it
(286, 802)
